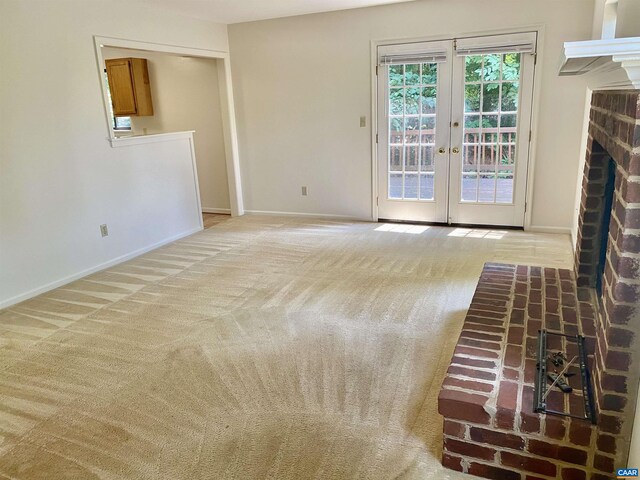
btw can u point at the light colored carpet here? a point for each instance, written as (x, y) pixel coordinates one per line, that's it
(261, 348)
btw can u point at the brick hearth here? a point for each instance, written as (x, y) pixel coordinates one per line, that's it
(490, 429)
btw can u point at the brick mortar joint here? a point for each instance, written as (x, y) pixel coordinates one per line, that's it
(619, 278)
(526, 438)
(620, 253)
(618, 116)
(618, 222)
(617, 120)
(455, 388)
(629, 206)
(592, 210)
(615, 140)
(491, 406)
(561, 464)
(462, 376)
(621, 171)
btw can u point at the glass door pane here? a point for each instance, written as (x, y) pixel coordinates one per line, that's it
(412, 98)
(491, 93)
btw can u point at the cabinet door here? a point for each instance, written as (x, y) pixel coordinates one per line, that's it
(141, 86)
(121, 86)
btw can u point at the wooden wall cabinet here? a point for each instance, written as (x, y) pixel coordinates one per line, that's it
(129, 85)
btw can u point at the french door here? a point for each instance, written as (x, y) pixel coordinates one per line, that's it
(453, 129)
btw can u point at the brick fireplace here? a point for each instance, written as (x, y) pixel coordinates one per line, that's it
(613, 151)
(487, 397)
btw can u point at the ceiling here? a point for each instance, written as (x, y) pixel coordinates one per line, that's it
(236, 11)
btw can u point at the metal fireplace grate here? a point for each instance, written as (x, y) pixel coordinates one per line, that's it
(563, 383)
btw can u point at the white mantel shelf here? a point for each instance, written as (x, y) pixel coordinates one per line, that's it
(128, 140)
(611, 63)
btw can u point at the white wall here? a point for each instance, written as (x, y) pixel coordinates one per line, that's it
(628, 24)
(628, 21)
(186, 96)
(598, 18)
(59, 177)
(628, 18)
(302, 83)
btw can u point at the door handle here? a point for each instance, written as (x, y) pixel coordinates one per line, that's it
(455, 150)
(442, 150)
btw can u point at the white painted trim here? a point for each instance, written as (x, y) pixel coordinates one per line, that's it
(226, 96)
(100, 42)
(604, 56)
(306, 215)
(222, 211)
(511, 214)
(545, 229)
(374, 131)
(533, 125)
(418, 211)
(152, 138)
(602, 48)
(230, 133)
(458, 35)
(194, 169)
(609, 19)
(159, 47)
(76, 276)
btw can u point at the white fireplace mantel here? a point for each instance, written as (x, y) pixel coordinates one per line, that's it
(611, 63)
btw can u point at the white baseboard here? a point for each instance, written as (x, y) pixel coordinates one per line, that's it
(70, 278)
(544, 229)
(307, 215)
(224, 211)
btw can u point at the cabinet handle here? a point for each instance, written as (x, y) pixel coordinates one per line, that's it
(442, 150)
(455, 150)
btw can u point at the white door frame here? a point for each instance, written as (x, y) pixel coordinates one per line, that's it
(226, 101)
(437, 207)
(538, 28)
(493, 213)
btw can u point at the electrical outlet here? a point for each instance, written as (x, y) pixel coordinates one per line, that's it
(363, 121)
(304, 191)
(104, 230)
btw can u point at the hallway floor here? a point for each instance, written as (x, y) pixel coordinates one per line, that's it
(211, 219)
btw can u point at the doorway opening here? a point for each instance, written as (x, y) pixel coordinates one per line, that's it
(184, 96)
(222, 86)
